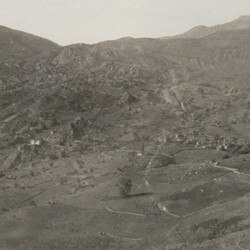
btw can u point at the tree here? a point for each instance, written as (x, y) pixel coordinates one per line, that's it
(125, 186)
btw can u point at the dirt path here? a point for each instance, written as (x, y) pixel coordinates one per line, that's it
(118, 237)
(164, 209)
(241, 248)
(234, 170)
(120, 212)
(151, 162)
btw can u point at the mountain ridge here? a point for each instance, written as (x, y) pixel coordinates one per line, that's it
(243, 22)
(200, 31)
(18, 45)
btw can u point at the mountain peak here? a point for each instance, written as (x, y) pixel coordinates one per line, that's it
(244, 18)
(243, 22)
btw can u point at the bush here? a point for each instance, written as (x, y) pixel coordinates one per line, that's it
(125, 186)
(53, 156)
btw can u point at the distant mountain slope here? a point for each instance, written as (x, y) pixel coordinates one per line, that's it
(201, 31)
(95, 77)
(161, 60)
(16, 45)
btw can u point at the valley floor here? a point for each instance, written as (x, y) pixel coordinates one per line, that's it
(199, 202)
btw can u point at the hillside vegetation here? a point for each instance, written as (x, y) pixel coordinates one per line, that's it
(130, 144)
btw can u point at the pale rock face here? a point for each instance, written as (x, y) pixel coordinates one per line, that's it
(174, 95)
(169, 97)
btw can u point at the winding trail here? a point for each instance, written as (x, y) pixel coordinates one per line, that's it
(150, 163)
(234, 170)
(120, 212)
(164, 209)
(241, 248)
(118, 237)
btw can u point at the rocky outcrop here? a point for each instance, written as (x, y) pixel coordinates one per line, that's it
(127, 98)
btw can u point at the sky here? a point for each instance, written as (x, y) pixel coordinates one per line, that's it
(91, 21)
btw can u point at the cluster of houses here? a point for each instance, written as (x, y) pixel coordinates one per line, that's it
(223, 144)
(208, 142)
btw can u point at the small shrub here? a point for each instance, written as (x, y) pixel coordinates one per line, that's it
(125, 186)
(53, 156)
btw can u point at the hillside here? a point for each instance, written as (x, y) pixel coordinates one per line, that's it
(130, 144)
(17, 46)
(241, 23)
